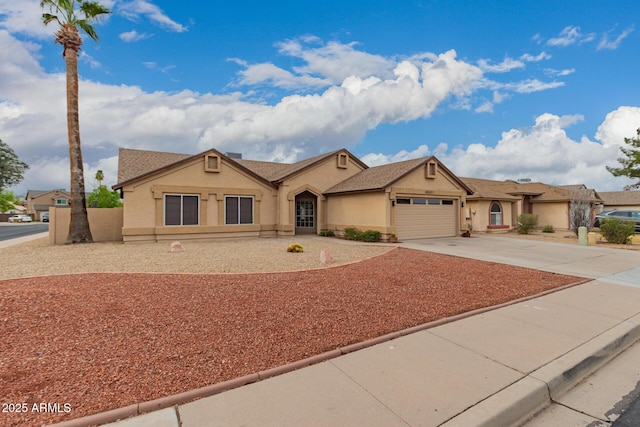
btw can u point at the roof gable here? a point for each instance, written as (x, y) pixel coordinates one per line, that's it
(381, 177)
(278, 172)
(155, 162)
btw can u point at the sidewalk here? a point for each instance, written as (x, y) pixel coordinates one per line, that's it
(491, 369)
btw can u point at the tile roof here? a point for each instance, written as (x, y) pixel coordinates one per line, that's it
(275, 172)
(133, 163)
(539, 192)
(377, 177)
(622, 198)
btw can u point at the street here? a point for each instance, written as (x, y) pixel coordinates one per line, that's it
(13, 231)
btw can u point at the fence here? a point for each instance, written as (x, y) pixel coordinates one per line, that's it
(105, 224)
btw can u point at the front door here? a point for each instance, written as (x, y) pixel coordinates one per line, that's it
(305, 217)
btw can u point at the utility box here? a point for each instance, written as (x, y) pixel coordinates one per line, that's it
(582, 236)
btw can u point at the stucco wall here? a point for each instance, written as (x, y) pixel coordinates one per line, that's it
(317, 180)
(481, 219)
(365, 211)
(105, 224)
(144, 203)
(555, 214)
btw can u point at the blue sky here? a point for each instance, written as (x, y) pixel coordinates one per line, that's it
(545, 90)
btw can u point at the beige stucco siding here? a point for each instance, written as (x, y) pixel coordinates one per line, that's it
(479, 211)
(144, 200)
(317, 180)
(361, 210)
(555, 214)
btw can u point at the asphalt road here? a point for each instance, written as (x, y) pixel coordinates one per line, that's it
(19, 230)
(631, 415)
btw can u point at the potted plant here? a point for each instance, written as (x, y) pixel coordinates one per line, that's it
(393, 238)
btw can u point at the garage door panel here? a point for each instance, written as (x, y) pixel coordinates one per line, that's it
(423, 221)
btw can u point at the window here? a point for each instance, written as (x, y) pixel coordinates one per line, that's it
(238, 210)
(447, 202)
(434, 201)
(181, 209)
(496, 214)
(419, 201)
(403, 201)
(61, 201)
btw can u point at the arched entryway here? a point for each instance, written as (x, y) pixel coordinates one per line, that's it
(306, 213)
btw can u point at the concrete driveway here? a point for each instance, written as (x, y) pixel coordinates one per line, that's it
(617, 266)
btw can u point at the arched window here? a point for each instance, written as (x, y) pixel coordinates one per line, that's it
(496, 214)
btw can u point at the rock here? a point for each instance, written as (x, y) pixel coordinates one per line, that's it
(325, 256)
(176, 247)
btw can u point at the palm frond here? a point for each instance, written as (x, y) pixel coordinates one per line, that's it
(47, 17)
(87, 28)
(93, 9)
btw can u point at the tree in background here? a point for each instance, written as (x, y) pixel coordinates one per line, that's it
(8, 201)
(71, 15)
(102, 197)
(99, 177)
(11, 168)
(580, 209)
(630, 163)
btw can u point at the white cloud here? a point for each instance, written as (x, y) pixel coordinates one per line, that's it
(571, 35)
(559, 73)
(543, 152)
(605, 43)
(509, 64)
(33, 110)
(24, 17)
(133, 36)
(133, 9)
(155, 67)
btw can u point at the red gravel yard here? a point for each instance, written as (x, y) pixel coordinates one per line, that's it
(94, 342)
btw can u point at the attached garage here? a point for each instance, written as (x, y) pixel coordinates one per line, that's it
(419, 217)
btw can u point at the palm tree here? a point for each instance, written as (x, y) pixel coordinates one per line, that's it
(99, 177)
(71, 15)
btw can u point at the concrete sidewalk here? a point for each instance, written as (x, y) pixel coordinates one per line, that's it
(491, 369)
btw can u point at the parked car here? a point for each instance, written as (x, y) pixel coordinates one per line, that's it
(20, 218)
(44, 217)
(624, 215)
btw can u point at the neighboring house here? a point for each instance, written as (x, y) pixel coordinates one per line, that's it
(39, 201)
(495, 205)
(211, 195)
(620, 200)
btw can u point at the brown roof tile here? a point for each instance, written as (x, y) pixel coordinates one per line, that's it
(133, 163)
(621, 198)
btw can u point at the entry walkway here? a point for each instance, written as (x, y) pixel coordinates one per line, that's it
(496, 368)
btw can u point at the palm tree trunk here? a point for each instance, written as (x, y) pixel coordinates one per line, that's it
(79, 231)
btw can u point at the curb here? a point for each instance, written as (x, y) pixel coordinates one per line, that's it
(526, 397)
(199, 393)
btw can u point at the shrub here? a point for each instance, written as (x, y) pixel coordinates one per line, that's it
(350, 233)
(526, 223)
(548, 229)
(369, 236)
(617, 231)
(295, 247)
(327, 233)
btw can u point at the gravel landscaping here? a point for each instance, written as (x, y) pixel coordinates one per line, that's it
(100, 341)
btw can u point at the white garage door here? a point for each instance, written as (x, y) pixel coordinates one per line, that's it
(419, 218)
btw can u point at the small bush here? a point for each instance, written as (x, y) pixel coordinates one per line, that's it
(295, 247)
(350, 233)
(617, 231)
(369, 236)
(526, 223)
(327, 233)
(548, 229)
